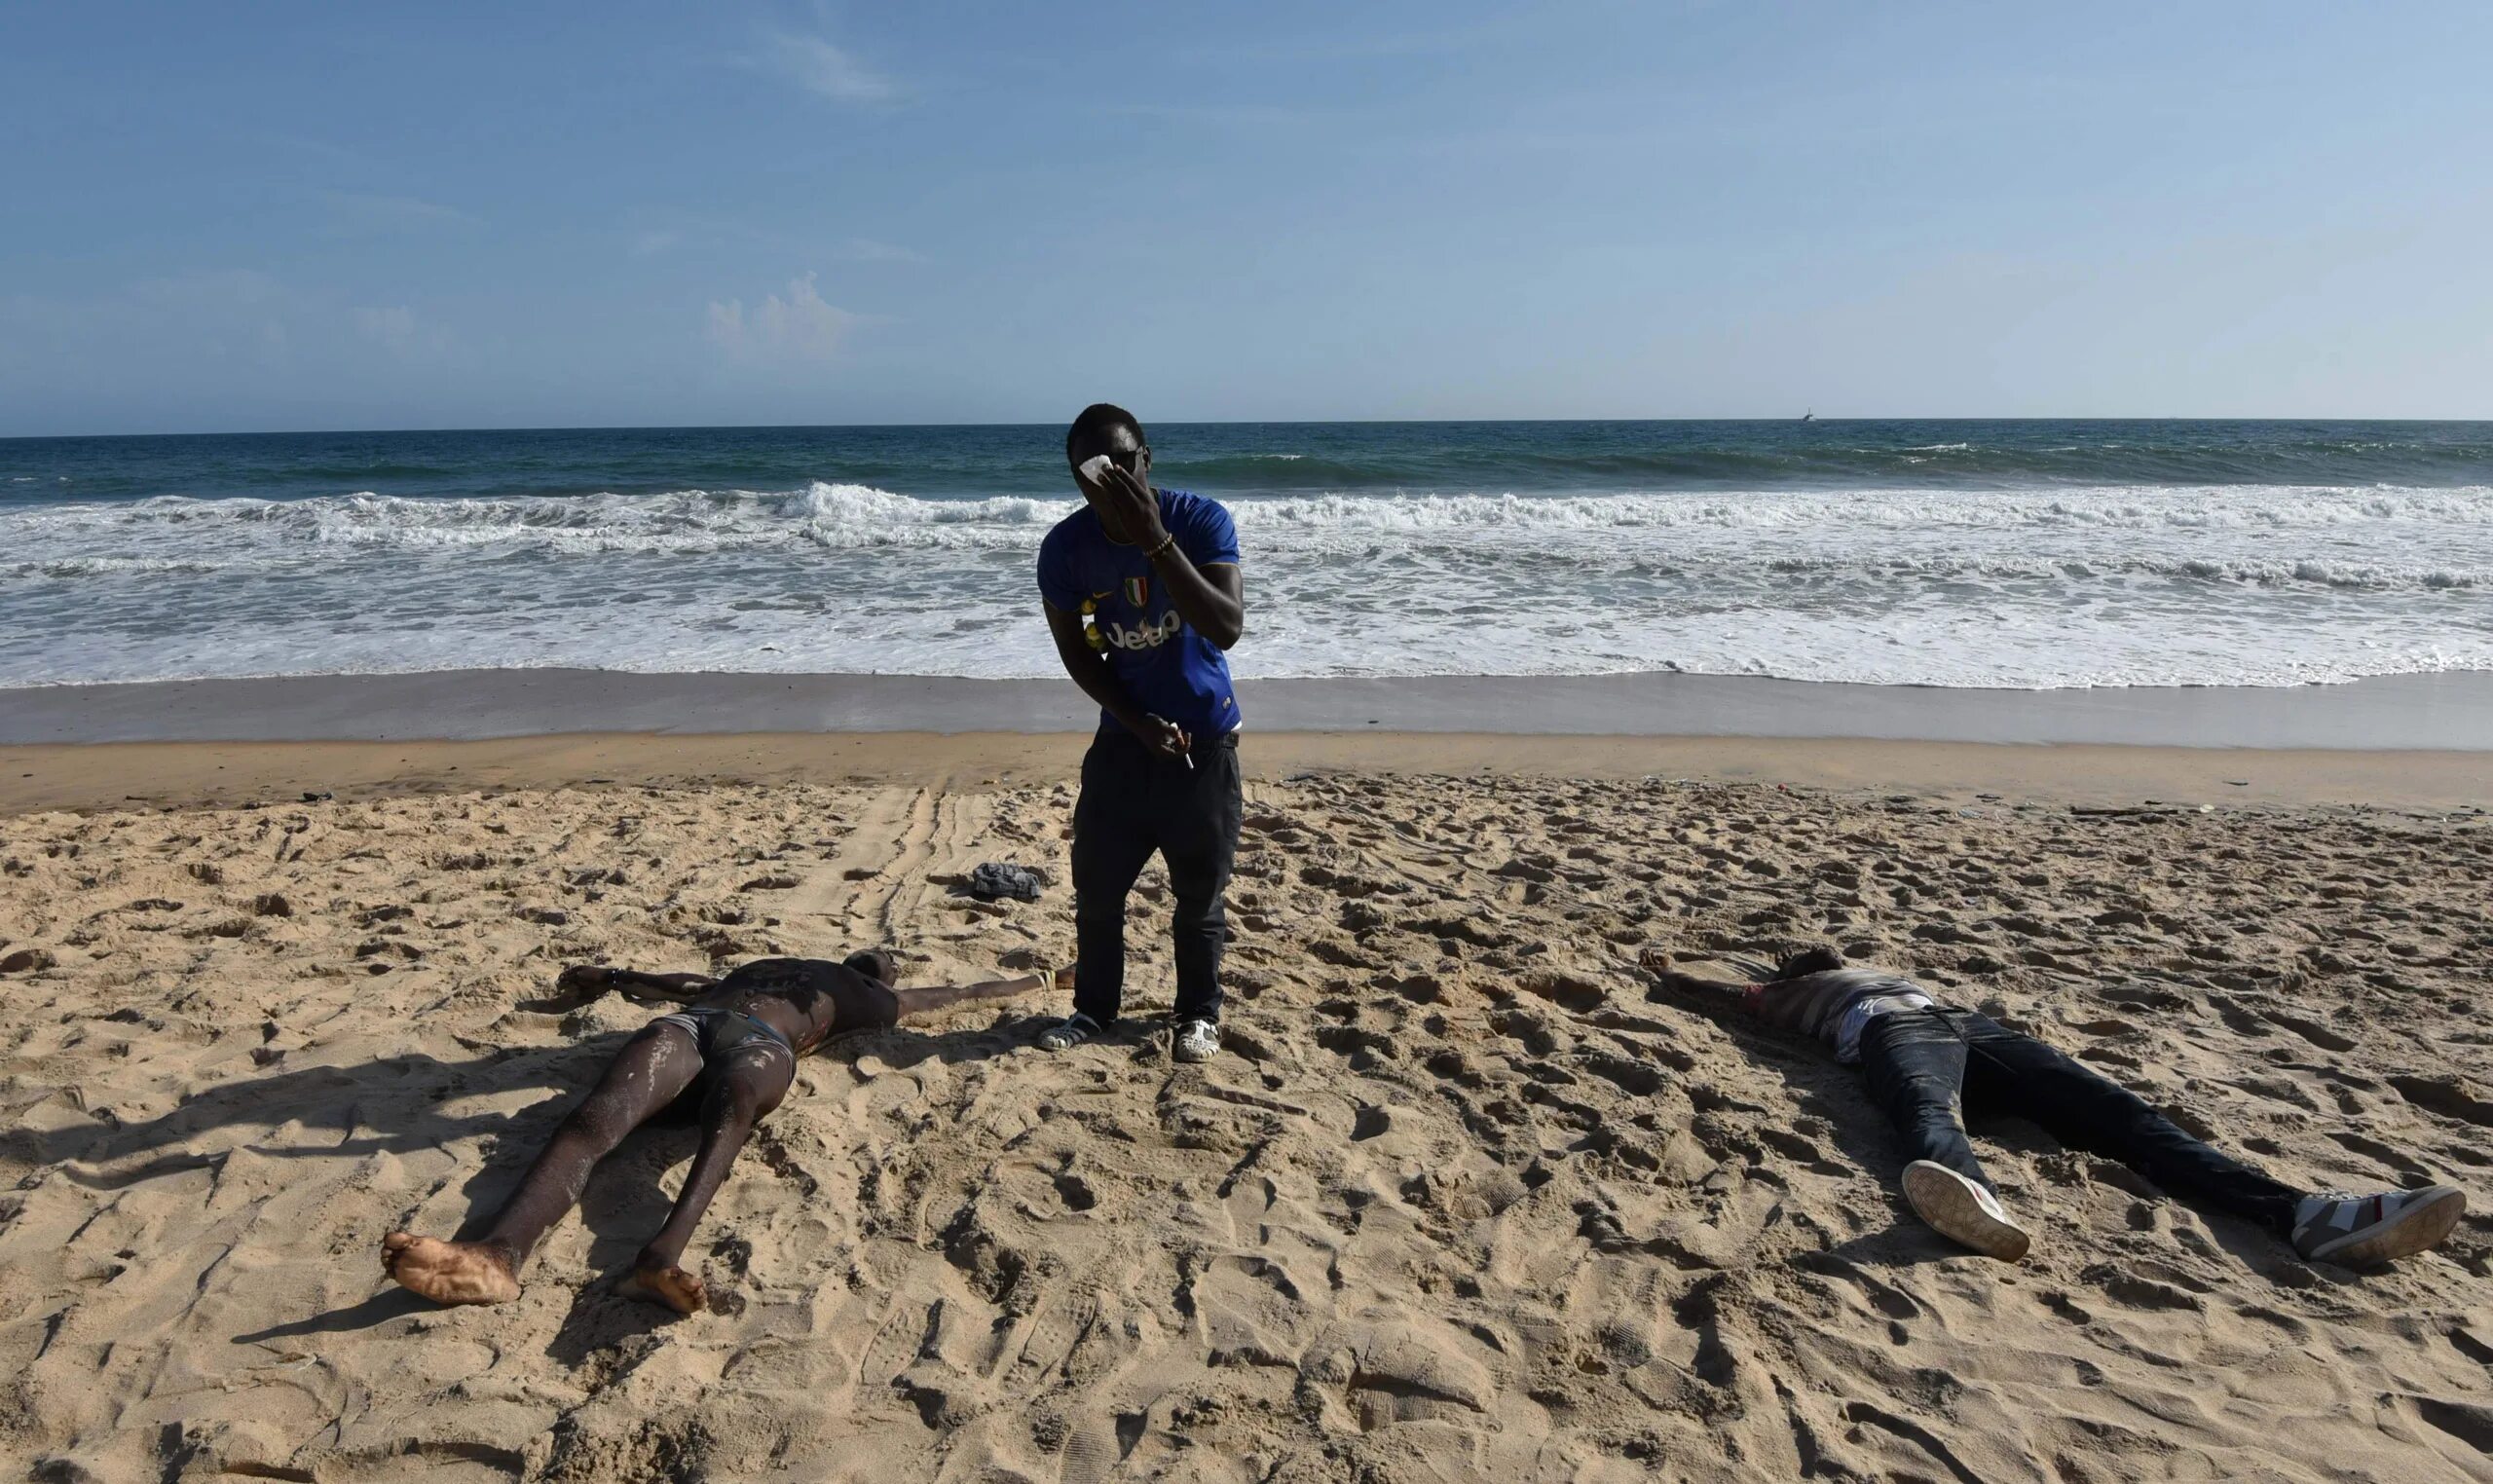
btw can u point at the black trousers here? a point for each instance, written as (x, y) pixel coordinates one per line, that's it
(1135, 801)
(1925, 1066)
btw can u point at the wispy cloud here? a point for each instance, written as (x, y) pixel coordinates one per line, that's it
(1224, 115)
(718, 233)
(823, 69)
(801, 326)
(318, 149)
(393, 325)
(369, 211)
(866, 249)
(1348, 47)
(218, 322)
(213, 292)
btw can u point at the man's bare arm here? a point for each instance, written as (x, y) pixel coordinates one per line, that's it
(1212, 598)
(590, 980)
(935, 998)
(1659, 963)
(1100, 683)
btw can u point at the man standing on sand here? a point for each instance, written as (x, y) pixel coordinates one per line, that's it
(1143, 599)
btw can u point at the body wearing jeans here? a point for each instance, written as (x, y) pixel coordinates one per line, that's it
(1926, 1062)
(1926, 1065)
(1134, 803)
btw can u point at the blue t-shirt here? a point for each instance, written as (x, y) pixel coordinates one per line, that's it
(1168, 668)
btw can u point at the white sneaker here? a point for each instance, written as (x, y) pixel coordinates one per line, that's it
(1963, 1210)
(2334, 1226)
(1197, 1041)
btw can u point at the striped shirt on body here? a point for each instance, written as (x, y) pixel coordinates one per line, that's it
(1834, 1006)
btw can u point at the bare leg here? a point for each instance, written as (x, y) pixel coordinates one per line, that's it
(648, 1073)
(918, 1002)
(753, 1084)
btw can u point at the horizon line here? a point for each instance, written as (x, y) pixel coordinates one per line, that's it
(583, 428)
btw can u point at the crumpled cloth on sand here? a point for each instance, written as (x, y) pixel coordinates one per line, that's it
(995, 879)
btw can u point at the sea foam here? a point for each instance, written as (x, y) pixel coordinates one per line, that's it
(2115, 585)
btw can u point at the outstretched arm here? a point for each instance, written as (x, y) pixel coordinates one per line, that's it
(927, 1001)
(1714, 996)
(590, 980)
(1659, 963)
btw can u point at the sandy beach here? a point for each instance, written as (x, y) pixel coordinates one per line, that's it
(1466, 1198)
(1719, 654)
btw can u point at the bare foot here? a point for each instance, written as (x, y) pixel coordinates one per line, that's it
(449, 1271)
(674, 1288)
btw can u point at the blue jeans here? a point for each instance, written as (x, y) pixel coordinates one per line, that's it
(1134, 803)
(1925, 1066)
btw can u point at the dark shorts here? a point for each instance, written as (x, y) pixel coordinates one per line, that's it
(729, 1040)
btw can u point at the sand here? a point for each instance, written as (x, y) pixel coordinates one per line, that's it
(1464, 1201)
(104, 775)
(2399, 712)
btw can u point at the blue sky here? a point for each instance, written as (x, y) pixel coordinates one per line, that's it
(314, 216)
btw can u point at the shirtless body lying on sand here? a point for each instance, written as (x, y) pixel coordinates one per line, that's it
(734, 1049)
(1925, 1061)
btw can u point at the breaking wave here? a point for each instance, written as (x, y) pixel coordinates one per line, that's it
(2107, 585)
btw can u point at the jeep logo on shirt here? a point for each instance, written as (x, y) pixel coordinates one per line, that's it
(1149, 636)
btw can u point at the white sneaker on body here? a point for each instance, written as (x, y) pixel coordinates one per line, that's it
(1963, 1210)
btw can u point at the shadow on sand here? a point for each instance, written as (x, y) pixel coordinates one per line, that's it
(1835, 1095)
(623, 1204)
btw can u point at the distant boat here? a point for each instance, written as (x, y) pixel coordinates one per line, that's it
(1810, 416)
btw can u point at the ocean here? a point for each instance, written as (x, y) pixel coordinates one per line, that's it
(2019, 554)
